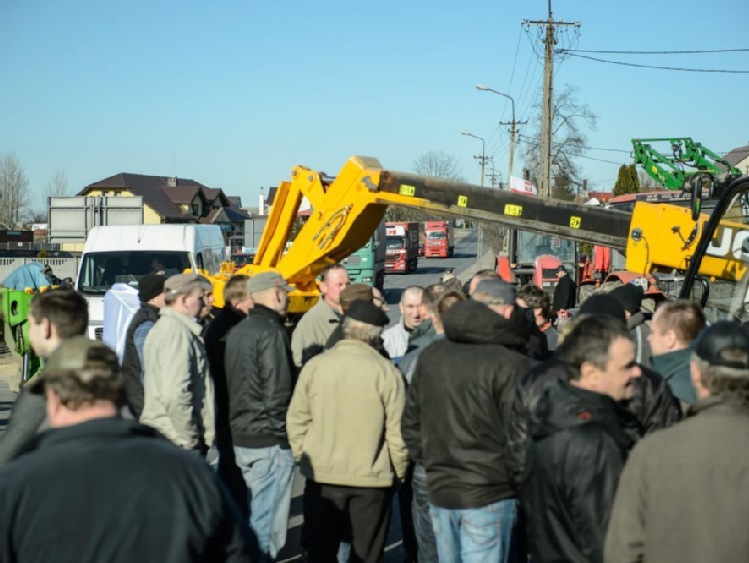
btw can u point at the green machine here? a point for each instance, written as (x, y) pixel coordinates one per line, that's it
(15, 305)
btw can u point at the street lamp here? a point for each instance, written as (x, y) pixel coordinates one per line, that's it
(485, 88)
(480, 238)
(482, 158)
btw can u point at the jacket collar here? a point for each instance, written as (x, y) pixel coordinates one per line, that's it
(719, 406)
(190, 323)
(105, 429)
(259, 310)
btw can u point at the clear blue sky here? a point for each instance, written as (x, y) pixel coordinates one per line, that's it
(236, 92)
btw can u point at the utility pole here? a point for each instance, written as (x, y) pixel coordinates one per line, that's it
(547, 108)
(482, 159)
(513, 134)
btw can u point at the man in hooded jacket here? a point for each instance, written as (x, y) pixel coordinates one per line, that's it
(457, 407)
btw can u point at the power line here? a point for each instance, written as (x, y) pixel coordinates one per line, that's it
(600, 159)
(656, 52)
(661, 67)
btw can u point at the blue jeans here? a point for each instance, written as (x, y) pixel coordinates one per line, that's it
(476, 534)
(268, 473)
(421, 517)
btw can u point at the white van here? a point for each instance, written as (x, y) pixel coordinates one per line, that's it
(124, 254)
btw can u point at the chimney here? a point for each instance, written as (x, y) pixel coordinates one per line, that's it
(261, 203)
(172, 182)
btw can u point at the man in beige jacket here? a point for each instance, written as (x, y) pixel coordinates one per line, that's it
(343, 426)
(178, 390)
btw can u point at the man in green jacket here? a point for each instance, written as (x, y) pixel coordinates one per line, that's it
(343, 426)
(675, 326)
(684, 492)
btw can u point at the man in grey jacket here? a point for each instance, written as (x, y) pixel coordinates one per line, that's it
(54, 316)
(178, 391)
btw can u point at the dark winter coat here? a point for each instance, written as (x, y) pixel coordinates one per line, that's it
(27, 418)
(115, 490)
(260, 377)
(132, 370)
(564, 294)
(215, 347)
(577, 451)
(653, 407)
(684, 493)
(458, 405)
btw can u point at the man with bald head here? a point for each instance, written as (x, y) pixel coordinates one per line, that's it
(396, 337)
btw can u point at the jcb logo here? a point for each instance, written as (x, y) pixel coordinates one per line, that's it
(728, 242)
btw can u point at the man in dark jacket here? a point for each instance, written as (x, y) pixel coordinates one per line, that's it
(457, 407)
(237, 303)
(99, 488)
(54, 316)
(684, 493)
(564, 292)
(675, 326)
(260, 377)
(579, 444)
(151, 297)
(652, 407)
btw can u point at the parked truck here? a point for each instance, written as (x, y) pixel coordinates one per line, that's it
(367, 265)
(402, 250)
(438, 239)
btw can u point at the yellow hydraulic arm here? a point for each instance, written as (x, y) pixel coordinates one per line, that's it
(346, 210)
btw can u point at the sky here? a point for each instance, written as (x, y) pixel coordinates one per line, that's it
(234, 93)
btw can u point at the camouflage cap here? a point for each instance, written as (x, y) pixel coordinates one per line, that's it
(89, 358)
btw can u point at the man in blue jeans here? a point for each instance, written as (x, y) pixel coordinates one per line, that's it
(458, 402)
(260, 376)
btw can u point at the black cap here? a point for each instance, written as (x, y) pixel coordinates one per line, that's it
(630, 296)
(367, 312)
(724, 344)
(603, 304)
(150, 286)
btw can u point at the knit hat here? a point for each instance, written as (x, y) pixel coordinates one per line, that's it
(355, 292)
(602, 304)
(367, 312)
(724, 344)
(150, 286)
(630, 296)
(500, 292)
(267, 280)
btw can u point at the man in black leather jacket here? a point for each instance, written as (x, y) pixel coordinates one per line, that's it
(578, 444)
(652, 407)
(260, 377)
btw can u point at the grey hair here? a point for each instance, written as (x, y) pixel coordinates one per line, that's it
(721, 381)
(363, 332)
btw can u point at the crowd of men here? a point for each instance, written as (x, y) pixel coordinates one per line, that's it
(501, 436)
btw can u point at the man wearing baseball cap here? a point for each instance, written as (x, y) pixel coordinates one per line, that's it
(178, 389)
(684, 493)
(96, 487)
(260, 376)
(151, 297)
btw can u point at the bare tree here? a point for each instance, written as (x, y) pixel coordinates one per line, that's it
(14, 190)
(568, 141)
(647, 184)
(438, 164)
(58, 184)
(435, 164)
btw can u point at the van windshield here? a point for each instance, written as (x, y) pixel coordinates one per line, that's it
(100, 270)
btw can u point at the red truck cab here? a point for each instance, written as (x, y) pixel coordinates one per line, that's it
(438, 239)
(402, 248)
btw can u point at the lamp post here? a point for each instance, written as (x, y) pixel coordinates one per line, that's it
(482, 158)
(513, 123)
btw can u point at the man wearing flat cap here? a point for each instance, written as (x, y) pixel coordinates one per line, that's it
(96, 487)
(684, 492)
(344, 429)
(151, 297)
(178, 389)
(260, 376)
